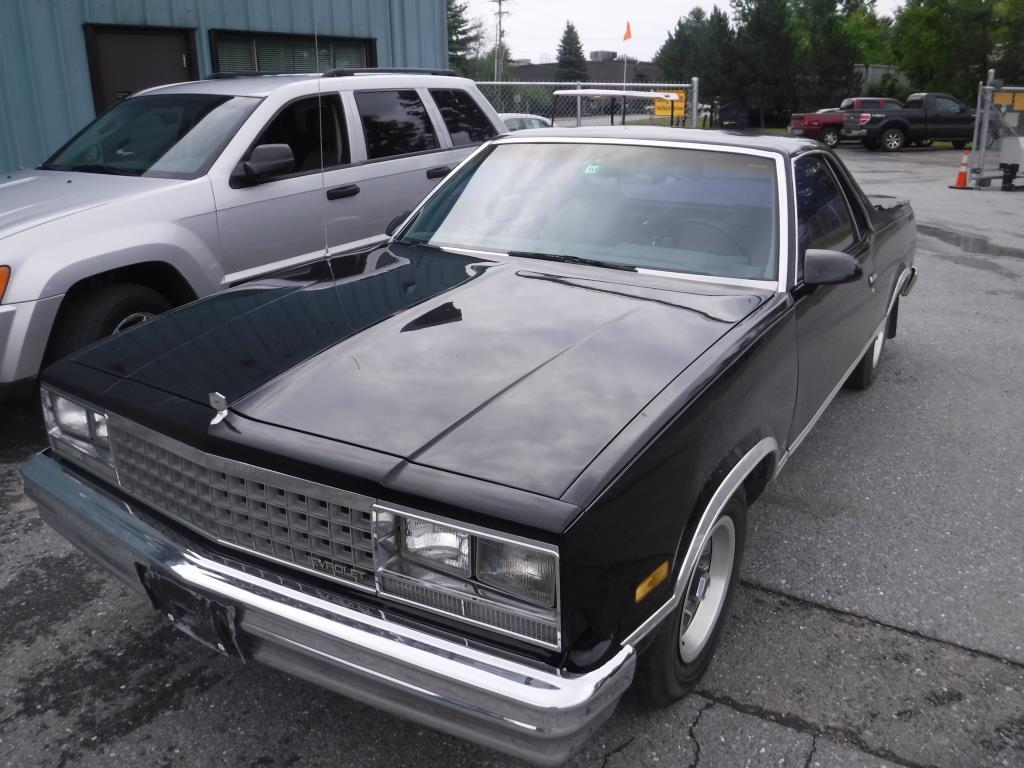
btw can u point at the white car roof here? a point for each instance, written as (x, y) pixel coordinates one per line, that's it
(264, 85)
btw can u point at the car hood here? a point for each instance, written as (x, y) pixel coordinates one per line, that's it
(31, 198)
(516, 372)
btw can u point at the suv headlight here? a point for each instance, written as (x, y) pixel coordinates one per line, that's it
(78, 432)
(504, 583)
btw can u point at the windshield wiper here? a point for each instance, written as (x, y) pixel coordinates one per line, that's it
(99, 169)
(571, 260)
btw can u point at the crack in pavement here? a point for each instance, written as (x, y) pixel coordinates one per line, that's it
(797, 723)
(611, 753)
(879, 623)
(814, 747)
(693, 730)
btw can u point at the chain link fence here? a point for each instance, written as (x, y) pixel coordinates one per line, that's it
(537, 98)
(998, 148)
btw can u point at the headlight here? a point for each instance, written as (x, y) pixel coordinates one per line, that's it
(506, 584)
(78, 433)
(520, 571)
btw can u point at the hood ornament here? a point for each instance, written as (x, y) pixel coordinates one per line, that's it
(219, 403)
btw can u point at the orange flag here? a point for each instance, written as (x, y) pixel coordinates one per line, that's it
(629, 33)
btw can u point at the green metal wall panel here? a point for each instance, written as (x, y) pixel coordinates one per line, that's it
(46, 93)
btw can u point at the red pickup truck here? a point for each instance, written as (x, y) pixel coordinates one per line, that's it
(826, 125)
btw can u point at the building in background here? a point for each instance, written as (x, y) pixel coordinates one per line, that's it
(62, 63)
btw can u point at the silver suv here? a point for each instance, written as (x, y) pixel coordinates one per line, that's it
(184, 189)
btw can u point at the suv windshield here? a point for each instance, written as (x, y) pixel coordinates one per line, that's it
(174, 136)
(683, 210)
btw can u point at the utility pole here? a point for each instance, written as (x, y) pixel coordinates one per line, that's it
(499, 37)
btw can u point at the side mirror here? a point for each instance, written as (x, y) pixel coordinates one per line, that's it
(823, 267)
(396, 222)
(268, 160)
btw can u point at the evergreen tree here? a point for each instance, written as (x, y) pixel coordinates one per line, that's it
(701, 46)
(464, 36)
(766, 44)
(572, 64)
(827, 43)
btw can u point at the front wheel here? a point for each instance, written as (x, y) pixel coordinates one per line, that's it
(893, 139)
(829, 137)
(101, 312)
(681, 651)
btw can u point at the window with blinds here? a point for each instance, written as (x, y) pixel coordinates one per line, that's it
(241, 52)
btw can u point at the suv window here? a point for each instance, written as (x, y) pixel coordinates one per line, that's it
(822, 214)
(297, 126)
(465, 121)
(394, 123)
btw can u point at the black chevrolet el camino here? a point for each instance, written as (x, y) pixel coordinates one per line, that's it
(492, 471)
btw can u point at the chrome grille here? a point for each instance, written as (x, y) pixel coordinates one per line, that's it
(314, 527)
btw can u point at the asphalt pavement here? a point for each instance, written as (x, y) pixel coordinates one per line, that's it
(880, 621)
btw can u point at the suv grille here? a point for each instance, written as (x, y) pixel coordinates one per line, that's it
(314, 527)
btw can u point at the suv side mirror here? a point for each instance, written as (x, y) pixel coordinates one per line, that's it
(268, 160)
(823, 267)
(396, 222)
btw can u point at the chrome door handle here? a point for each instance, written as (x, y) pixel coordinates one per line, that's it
(871, 279)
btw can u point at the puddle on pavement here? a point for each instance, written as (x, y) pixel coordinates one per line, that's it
(970, 243)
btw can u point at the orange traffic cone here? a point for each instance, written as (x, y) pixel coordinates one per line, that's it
(961, 175)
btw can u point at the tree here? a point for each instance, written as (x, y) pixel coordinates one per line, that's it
(1008, 53)
(947, 45)
(464, 36)
(827, 44)
(766, 43)
(572, 64)
(870, 34)
(701, 46)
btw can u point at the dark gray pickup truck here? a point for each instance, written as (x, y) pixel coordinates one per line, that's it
(924, 117)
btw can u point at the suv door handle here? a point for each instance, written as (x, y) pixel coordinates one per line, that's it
(440, 172)
(348, 190)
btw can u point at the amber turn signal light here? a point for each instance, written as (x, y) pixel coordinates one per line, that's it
(5, 276)
(658, 575)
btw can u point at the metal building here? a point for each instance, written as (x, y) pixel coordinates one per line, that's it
(63, 61)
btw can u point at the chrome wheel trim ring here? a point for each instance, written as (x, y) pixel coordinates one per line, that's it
(135, 318)
(701, 615)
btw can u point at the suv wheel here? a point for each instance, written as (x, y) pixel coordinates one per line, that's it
(829, 137)
(101, 312)
(893, 139)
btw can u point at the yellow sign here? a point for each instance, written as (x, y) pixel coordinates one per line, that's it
(666, 108)
(1001, 98)
(1018, 102)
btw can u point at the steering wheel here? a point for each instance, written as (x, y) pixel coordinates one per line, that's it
(721, 231)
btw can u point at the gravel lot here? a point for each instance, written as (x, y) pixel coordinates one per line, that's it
(880, 620)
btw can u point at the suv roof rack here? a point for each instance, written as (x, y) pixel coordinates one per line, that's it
(231, 75)
(386, 71)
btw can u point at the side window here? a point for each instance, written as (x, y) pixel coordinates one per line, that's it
(823, 218)
(917, 103)
(465, 121)
(394, 123)
(869, 104)
(312, 127)
(943, 104)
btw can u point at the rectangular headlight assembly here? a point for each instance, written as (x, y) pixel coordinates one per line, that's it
(78, 432)
(504, 583)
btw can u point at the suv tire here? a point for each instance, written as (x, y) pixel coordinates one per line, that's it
(98, 313)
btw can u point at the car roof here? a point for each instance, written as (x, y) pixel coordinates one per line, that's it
(264, 85)
(787, 145)
(520, 114)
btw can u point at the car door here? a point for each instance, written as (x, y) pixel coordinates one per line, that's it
(290, 217)
(834, 322)
(956, 120)
(405, 156)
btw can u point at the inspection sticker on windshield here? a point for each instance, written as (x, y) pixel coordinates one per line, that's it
(592, 169)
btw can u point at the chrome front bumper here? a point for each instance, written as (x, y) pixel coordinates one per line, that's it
(511, 704)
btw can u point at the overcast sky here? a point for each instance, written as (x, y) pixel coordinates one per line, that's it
(534, 27)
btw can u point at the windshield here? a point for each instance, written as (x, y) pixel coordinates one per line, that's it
(174, 136)
(683, 210)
